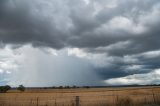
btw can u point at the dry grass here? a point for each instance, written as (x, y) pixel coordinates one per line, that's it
(88, 97)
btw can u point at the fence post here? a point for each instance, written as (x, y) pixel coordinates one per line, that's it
(55, 102)
(37, 100)
(77, 100)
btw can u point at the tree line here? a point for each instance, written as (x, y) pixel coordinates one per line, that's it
(4, 89)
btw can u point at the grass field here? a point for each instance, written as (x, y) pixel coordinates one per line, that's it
(131, 96)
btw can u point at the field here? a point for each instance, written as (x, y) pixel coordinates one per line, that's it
(123, 96)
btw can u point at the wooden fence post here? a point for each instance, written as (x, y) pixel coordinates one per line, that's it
(77, 100)
(37, 100)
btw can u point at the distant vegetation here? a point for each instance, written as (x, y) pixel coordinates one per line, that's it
(4, 89)
(65, 87)
(21, 88)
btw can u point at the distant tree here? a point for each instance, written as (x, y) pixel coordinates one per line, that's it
(74, 86)
(21, 88)
(86, 87)
(53, 87)
(4, 89)
(67, 87)
(60, 87)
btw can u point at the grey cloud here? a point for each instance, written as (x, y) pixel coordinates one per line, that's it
(69, 23)
(21, 23)
(124, 30)
(142, 63)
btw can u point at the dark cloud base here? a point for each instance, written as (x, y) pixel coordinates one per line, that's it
(92, 27)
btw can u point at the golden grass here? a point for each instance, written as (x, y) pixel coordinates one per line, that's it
(88, 97)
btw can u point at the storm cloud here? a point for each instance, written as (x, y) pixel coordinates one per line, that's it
(117, 38)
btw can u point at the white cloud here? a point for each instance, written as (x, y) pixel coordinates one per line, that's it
(126, 24)
(87, 1)
(77, 52)
(8, 59)
(8, 72)
(133, 67)
(97, 59)
(116, 46)
(1, 71)
(151, 54)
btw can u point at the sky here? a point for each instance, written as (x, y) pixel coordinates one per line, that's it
(79, 42)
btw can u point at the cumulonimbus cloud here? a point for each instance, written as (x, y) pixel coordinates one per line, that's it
(125, 33)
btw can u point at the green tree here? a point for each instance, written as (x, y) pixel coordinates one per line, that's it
(21, 88)
(4, 89)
